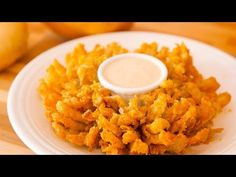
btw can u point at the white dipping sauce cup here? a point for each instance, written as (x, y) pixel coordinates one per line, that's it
(130, 92)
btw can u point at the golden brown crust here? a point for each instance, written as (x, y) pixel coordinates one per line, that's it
(168, 119)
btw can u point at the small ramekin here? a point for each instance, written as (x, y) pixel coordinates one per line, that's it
(129, 92)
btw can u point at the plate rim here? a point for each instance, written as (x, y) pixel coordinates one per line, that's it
(10, 98)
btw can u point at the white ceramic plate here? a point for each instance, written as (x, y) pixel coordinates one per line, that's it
(26, 112)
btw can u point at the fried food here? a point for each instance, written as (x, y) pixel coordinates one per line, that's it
(168, 119)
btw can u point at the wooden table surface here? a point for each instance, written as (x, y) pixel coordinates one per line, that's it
(220, 35)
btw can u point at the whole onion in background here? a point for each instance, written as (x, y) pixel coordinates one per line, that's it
(72, 30)
(13, 38)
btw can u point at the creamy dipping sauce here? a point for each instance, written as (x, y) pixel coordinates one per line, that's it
(131, 72)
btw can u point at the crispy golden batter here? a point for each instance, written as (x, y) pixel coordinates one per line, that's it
(168, 119)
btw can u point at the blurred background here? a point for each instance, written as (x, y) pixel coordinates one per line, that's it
(24, 41)
(21, 42)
